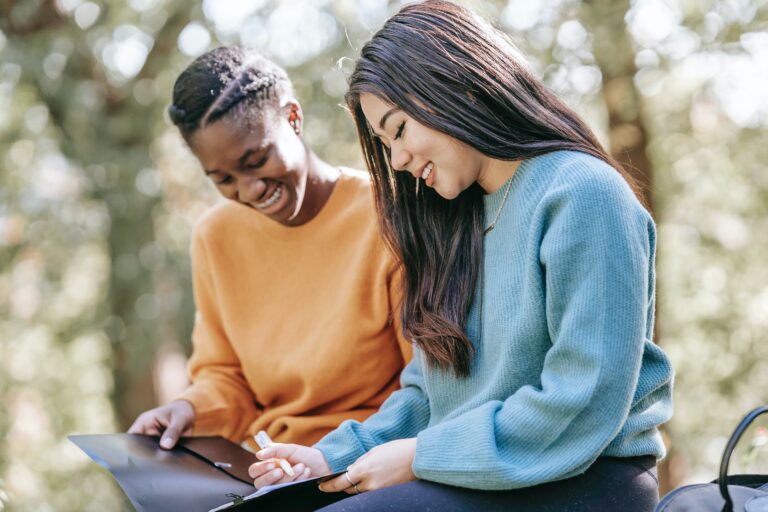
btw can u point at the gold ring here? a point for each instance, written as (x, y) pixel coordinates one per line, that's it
(357, 491)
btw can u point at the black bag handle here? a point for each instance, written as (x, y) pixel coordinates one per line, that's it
(722, 481)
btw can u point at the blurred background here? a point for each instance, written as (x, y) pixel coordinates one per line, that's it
(98, 196)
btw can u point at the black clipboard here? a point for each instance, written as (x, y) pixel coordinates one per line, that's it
(199, 474)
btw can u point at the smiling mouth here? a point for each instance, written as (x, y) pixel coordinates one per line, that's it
(427, 171)
(272, 199)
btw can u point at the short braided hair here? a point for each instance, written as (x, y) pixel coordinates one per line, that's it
(226, 81)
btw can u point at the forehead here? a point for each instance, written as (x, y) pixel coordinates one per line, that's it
(374, 108)
(223, 142)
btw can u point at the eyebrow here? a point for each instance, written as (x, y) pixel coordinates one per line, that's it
(386, 116)
(243, 158)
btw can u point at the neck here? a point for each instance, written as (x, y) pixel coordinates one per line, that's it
(321, 178)
(494, 173)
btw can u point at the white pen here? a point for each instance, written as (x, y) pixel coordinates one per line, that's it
(263, 440)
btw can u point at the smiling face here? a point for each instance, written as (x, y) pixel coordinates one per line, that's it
(441, 161)
(261, 164)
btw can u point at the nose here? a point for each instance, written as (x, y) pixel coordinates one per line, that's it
(400, 157)
(250, 189)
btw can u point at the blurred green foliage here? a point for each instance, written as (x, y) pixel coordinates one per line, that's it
(98, 196)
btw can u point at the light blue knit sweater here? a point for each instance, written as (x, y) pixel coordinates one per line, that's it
(565, 370)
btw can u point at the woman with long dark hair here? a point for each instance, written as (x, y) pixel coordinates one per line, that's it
(528, 284)
(294, 286)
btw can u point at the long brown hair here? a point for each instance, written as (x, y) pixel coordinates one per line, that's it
(450, 70)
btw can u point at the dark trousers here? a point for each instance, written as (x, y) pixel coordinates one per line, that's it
(610, 484)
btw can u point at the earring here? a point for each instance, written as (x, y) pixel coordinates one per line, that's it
(293, 120)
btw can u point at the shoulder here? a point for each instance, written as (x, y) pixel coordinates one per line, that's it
(587, 183)
(584, 174)
(360, 213)
(357, 183)
(360, 179)
(220, 219)
(355, 189)
(587, 204)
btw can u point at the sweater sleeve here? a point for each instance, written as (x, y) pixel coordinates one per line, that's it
(595, 257)
(223, 401)
(403, 414)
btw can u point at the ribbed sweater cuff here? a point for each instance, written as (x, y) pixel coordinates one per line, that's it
(342, 447)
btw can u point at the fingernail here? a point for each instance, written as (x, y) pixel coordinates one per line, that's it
(270, 467)
(165, 443)
(277, 473)
(261, 454)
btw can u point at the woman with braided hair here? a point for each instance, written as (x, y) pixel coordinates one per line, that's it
(294, 286)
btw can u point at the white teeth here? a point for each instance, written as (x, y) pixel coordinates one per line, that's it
(427, 171)
(272, 199)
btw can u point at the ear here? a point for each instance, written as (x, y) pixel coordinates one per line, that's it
(294, 115)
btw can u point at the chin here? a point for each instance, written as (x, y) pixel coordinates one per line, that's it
(448, 194)
(289, 213)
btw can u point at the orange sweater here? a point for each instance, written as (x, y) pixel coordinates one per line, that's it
(294, 330)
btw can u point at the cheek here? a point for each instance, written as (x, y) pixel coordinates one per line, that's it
(463, 165)
(422, 145)
(227, 191)
(428, 145)
(289, 155)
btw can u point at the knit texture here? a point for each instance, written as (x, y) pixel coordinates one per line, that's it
(294, 331)
(565, 369)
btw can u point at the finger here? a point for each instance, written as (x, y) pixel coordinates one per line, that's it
(278, 450)
(138, 429)
(355, 489)
(145, 428)
(173, 432)
(266, 453)
(258, 469)
(298, 471)
(153, 431)
(340, 483)
(273, 477)
(139, 425)
(170, 436)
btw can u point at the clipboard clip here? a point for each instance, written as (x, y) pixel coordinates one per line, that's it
(236, 498)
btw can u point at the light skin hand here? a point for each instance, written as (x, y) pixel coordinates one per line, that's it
(170, 421)
(383, 466)
(305, 461)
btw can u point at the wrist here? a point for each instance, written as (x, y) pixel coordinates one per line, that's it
(326, 468)
(185, 406)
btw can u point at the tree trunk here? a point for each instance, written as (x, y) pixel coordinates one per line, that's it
(628, 137)
(112, 143)
(614, 55)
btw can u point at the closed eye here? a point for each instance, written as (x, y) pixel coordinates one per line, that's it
(261, 162)
(224, 181)
(400, 130)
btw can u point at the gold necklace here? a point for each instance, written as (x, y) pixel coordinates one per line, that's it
(501, 207)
